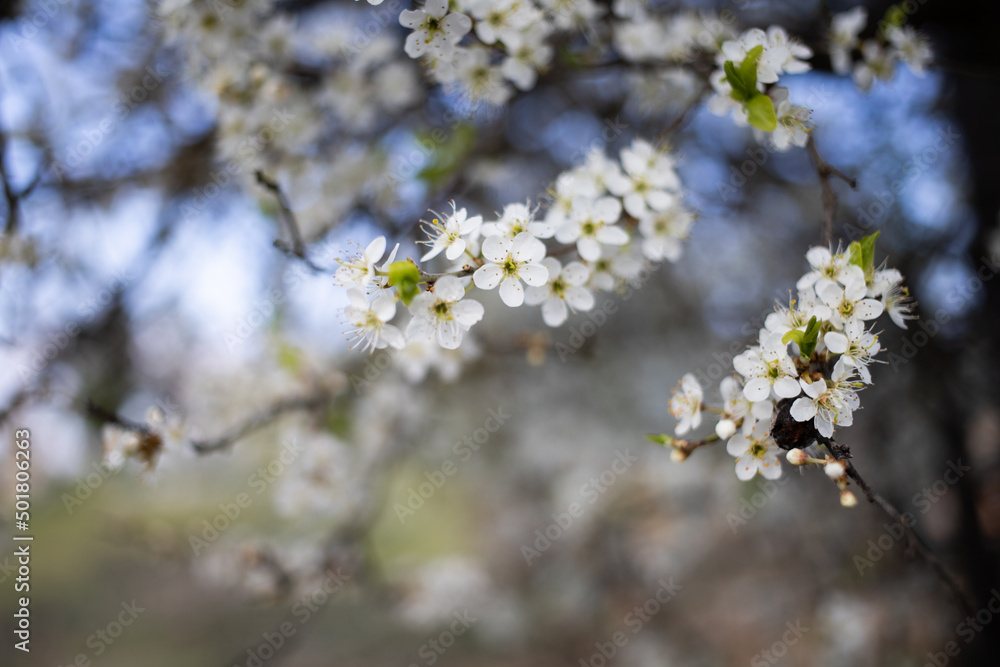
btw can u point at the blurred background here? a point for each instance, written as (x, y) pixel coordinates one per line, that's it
(414, 510)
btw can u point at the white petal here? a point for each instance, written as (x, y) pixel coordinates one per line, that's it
(607, 209)
(575, 274)
(384, 307)
(456, 249)
(535, 275)
(588, 248)
(496, 248)
(635, 205)
(467, 312)
(457, 24)
(737, 445)
(436, 8)
(612, 236)
(449, 335)
(757, 389)
(803, 409)
(449, 288)
(554, 311)
(526, 248)
(770, 467)
(412, 18)
(746, 467)
(535, 295)
(836, 342)
(787, 387)
(511, 292)
(869, 309)
(579, 298)
(393, 336)
(420, 328)
(488, 276)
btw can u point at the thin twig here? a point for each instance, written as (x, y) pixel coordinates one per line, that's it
(255, 422)
(695, 101)
(297, 248)
(825, 171)
(916, 543)
(207, 446)
(8, 191)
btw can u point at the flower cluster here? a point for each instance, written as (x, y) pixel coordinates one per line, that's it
(749, 68)
(879, 55)
(811, 359)
(509, 46)
(614, 216)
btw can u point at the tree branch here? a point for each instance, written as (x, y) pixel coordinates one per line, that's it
(297, 248)
(825, 170)
(309, 402)
(916, 544)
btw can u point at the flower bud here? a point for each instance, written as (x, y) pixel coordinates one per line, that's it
(725, 428)
(797, 457)
(847, 498)
(835, 470)
(678, 455)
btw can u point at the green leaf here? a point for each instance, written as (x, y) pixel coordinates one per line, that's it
(810, 337)
(760, 112)
(743, 79)
(862, 253)
(793, 336)
(405, 276)
(748, 68)
(736, 81)
(659, 438)
(806, 340)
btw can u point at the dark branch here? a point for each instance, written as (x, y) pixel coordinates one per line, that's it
(916, 544)
(825, 171)
(297, 247)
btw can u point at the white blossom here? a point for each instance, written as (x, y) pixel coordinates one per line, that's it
(591, 224)
(828, 402)
(442, 315)
(843, 36)
(686, 405)
(450, 235)
(755, 452)
(435, 31)
(564, 291)
(767, 367)
(508, 263)
(370, 320)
